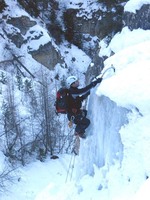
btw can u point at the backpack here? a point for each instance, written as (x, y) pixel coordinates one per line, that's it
(62, 98)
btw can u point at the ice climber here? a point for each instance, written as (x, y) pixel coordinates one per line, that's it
(77, 95)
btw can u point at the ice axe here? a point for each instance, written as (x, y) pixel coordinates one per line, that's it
(112, 68)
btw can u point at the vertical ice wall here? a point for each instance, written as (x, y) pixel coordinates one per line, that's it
(103, 144)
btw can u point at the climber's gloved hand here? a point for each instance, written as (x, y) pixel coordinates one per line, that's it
(99, 80)
(94, 83)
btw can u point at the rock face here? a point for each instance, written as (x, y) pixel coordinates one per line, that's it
(76, 25)
(23, 23)
(86, 32)
(2, 5)
(140, 19)
(71, 24)
(47, 55)
(101, 24)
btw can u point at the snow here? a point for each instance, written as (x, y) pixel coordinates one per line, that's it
(144, 192)
(2, 159)
(114, 160)
(75, 58)
(133, 5)
(133, 66)
(37, 31)
(126, 39)
(50, 176)
(12, 5)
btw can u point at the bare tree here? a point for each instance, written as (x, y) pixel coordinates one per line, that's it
(12, 127)
(6, 177)
(48, 122)
(40, 133)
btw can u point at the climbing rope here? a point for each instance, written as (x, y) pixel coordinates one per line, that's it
(75, 152)
(76, 145)
(71, 167)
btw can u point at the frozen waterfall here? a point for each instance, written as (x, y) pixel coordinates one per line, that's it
(103, 144)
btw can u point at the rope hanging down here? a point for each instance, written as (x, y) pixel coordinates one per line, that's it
(71, 167)
(75, 152)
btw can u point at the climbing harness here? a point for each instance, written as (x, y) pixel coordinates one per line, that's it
(70, 124)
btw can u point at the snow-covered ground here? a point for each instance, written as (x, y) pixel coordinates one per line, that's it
(114, 161)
